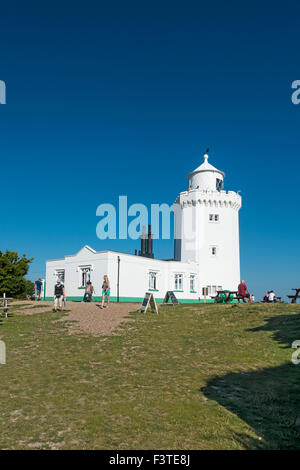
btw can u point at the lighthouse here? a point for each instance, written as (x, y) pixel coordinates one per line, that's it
(207, 227)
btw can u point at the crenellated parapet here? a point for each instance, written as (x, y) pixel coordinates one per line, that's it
(207, 198)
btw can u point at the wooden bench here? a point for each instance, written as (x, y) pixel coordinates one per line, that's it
(295, 296)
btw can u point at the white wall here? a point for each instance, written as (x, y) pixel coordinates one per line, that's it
(134, 275)
(71, 265)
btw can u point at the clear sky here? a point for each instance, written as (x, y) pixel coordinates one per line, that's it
(122, 98)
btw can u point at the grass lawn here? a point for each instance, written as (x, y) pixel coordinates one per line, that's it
(192, 377)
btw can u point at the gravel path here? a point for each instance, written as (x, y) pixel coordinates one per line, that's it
(91, 319)
(85, 317)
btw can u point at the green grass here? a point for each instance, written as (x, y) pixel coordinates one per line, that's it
(192, 377)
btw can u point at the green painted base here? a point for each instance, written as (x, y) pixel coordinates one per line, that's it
(137, 300)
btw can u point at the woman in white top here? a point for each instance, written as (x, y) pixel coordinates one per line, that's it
(271, 296)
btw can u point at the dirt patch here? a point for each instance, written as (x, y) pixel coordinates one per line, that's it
(30, 307)
(83, 317)
(89, 318)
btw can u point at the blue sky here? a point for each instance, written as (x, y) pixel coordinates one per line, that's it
(121, 98)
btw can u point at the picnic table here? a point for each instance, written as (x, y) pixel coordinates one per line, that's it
(225, 296)
(295, 296)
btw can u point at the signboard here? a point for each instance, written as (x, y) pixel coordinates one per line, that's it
(170, 295)
(205, 293)
(148, 300)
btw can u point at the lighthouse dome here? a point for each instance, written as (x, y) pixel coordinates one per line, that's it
(206, 177)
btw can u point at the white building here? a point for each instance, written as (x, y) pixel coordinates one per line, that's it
(206, 251)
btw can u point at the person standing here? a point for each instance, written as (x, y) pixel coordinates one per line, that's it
(38, 288)
(105, 291)
(87, 292)
(243, 292)
(59, 294)
(92, 291)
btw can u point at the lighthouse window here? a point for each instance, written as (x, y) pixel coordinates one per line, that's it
(213, 250)
(213, 217)
(178, 282)
(219, 184)
(152, 280)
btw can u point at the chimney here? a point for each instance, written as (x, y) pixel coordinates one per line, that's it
(150, 243)
(143, 242)
(146, 243)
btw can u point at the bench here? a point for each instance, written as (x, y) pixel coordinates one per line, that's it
(295, 296)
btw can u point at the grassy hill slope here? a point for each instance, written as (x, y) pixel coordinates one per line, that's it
(192, 377)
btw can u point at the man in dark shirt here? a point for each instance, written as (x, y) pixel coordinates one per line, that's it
(243, 292)
(38, 288)
(59, 294)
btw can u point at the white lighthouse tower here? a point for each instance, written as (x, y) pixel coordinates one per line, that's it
(207, 228)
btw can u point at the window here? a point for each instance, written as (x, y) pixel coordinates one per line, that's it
(219, 184)
(213, 250)
(60, 274)
(178, 282)
(192, 283)
(212, 290)
(213, 217)
(152, 280)
(85, 276)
